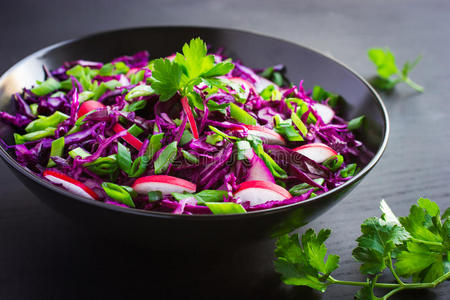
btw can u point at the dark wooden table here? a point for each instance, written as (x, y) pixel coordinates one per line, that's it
(44, 256)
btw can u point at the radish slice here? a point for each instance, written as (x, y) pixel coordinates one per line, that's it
(89, 106)
(258, 170)
(70, 184)
(129, 138)
(318, 152)
(262, 83)
(188, 111)
(324, 111)
(171, 57)
(258, 192)
(163, 183)
(268, 136)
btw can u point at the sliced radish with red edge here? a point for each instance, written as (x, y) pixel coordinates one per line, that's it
(259, 192)
(129, 138)
(258, 169)
(325, 112)
(318, 152)
(163, 183)
(89, 106)
(70, 184)
(187, 109)
(267, 135)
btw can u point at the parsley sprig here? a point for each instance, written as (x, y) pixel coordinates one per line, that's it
(189, 68)
(416, 246)
(389, 74)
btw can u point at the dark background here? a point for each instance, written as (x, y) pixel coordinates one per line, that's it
(44, 256)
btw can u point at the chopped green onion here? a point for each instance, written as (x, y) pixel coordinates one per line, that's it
(285, 128)
(33, 136)
(189, 157)
(103, 87)
(225, 208)
(139, 91)
(154, 196)
(356, 123)
(154, 145)
(241, 115)
(321, 95)
(103, 165)
(135, 130)
(137, 77)
(223, 134)
(79, 152)
(120, 68)
(138, 105)
(243, 147)
(138, 167)
(186, 137)
(303, 188)
(124, 158)
(118, 193)
(349, 170)
(44, 122)
(213, 139)
(334, 162)
(165, 158)
(213, 106)
(84, 96)
(34, 107)
(298, 122)
(57, 149)
(46, 87)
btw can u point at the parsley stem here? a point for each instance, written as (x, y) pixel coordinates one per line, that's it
(438, 244)
(414, 85)
(391, 267)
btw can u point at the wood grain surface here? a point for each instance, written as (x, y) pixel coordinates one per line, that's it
(44, 256)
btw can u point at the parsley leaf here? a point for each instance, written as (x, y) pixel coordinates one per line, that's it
(419, 244)
(166, 78)
(389, 74)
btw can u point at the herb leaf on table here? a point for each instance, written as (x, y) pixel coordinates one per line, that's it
(415, 246)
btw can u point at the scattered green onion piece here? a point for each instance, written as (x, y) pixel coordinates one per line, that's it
(33, 136)
(135, 130)
(46, 87)
(137, 77)
(44, 122)
(186, 137)
(189, 157)
(165, 158)
(303, 188)
(154, 145)
(243, 147)
(57, 149)
(334, 163)
(349, 170)
(139, 91)
(321, 95)
(84, 96)
(106, 70)
(79, 152)
(34, 107)
(356, 123)
(285, 128)
(103, 87)
(225, 208)
(154, 196)
(124, 158)
(213, 139)
(138, 167)
(298, 122)
(120, 68)
(223, 134)
(241, 115)
(118, 193)
(138, 105)
(103, 165)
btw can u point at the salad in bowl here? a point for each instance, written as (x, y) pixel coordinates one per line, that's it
(190, 133)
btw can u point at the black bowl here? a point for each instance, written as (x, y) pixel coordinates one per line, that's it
(254, 50)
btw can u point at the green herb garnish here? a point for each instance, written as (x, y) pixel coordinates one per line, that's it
(389, 75)
(415, 246)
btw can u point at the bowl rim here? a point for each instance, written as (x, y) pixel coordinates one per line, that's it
(140, 212)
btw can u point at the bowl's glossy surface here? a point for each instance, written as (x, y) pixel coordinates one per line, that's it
(252, 49)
